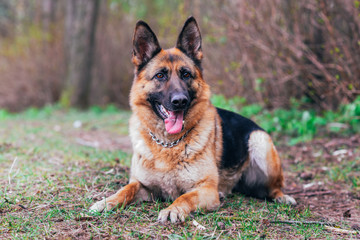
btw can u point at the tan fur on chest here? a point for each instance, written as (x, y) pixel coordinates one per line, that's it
(170, 172)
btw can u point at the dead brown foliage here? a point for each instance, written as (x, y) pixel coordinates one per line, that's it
(280, 49)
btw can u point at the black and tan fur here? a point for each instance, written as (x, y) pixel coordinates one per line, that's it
(222, 152)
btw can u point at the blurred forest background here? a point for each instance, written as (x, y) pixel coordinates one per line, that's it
(269, 52)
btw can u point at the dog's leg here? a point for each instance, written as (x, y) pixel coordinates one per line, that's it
(205, 197)
(265, 167)
(276, 178)
(123, 197)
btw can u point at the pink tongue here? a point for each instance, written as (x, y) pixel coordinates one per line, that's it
(174, 122)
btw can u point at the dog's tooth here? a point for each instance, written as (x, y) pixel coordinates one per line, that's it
(162, 108)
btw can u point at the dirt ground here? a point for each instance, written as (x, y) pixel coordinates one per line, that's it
(317, 173)
(314, 185)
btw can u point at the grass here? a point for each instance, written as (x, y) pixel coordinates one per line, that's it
(48, 181)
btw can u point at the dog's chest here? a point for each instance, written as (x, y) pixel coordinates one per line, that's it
(168, 175)
(164, 182)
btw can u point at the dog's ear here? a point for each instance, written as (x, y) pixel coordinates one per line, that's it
(189, 40)
(145, 44)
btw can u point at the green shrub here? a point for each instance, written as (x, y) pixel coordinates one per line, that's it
(300, 125)
(4, 114)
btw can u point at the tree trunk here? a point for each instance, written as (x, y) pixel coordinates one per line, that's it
(80, 28)
(48, 14)
(6, 18)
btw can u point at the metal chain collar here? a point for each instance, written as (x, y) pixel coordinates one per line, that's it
(167, 144)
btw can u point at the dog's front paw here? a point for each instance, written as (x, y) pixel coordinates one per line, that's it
(176, 214)
(98, 206)
(286, 199)
(101, 206)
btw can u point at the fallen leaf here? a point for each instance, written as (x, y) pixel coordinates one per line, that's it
(198, 225)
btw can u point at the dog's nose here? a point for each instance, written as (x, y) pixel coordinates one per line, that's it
(179, 100)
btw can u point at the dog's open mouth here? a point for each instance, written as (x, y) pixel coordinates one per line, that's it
(173, 119)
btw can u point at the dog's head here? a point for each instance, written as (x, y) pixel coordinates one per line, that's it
(168, 83)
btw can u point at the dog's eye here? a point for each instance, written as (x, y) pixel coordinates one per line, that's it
(186, 75)
(160, 76)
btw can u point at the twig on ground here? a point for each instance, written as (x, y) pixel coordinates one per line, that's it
(340, 230)
(22, 206)
(278, 221)
(11, 168)
(85, 218)
(295, 191)
(8, 201)
(17, 205)
(57, 220)
(303, 222)
(303, 192)
(310, 194)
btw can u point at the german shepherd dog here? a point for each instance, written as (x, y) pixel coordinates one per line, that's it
(185, 149)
